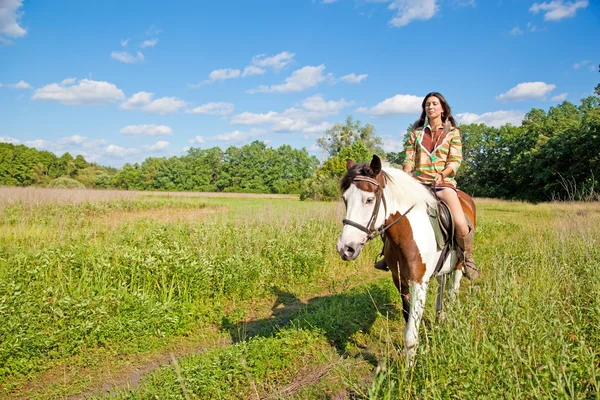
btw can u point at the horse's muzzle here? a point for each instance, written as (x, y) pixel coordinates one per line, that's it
(349, 251)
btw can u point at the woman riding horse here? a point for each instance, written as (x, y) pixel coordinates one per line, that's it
(434, 154)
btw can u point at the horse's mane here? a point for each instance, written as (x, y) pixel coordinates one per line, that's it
(402, 187)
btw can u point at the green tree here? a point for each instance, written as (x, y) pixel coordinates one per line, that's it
(343, 135)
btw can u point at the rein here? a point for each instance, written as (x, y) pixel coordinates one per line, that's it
(370, 229)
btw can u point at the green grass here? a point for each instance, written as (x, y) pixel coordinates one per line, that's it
(94, 282)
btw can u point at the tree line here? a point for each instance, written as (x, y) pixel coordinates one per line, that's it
(252, 168)
(552, 155)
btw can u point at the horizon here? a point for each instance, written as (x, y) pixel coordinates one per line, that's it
(118, 83)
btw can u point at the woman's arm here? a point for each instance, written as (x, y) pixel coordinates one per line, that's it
(410, 151)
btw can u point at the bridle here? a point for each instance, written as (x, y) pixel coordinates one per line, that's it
(370, 229)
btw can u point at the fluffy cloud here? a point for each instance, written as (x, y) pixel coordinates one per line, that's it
(9, 20)
(147, 130)
(399, 104)
(164, 105)
(197, 139)
(412, 10)
(160, 145)
(301, 79)
(257, 66)
(144, 102)
(494, 118)
(148, 43)
(8, 139)
(516, 31)
(86, 93)
(308, 117)
(527, 91)
(276, 62)
(212, 109)
(353, 78)
(126, 57)
(556, 10)
(560, 97)
(19, 85)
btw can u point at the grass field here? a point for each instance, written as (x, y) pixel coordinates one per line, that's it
(161, 295)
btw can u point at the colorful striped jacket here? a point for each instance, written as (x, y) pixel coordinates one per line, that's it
(425, 165)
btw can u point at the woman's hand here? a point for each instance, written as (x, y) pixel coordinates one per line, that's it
(439, 178)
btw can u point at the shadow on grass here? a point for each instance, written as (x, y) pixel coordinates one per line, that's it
(338, 316)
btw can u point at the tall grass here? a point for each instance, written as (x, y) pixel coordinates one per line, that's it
(116, 277)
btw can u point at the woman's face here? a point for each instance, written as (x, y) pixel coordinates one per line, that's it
(433, 107)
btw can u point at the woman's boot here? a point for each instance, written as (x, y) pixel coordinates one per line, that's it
(466, 244)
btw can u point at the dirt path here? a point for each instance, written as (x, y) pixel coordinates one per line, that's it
(80, 379)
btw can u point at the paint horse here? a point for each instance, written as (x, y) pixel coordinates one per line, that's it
(395, 204)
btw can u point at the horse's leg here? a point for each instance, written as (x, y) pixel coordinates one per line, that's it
(440, 315)
(455, 286)
(404, 294)
(418, 294)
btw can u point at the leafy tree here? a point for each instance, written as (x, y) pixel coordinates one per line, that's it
(343, 135)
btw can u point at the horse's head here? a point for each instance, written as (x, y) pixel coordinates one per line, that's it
(362, 191)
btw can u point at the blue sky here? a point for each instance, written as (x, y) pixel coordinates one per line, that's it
(119, 81)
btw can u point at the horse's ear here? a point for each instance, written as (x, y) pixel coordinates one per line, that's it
(376, 164)
(349, 164)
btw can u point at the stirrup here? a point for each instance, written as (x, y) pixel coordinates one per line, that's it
(381, 265)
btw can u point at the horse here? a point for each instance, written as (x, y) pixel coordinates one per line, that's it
(410, 249)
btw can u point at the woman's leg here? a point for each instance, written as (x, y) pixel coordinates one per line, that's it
(451, 198)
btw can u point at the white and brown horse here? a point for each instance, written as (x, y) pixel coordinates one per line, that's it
(392, 202)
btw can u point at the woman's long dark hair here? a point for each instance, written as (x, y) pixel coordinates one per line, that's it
(446, 113)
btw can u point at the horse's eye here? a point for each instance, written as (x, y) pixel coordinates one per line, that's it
(370, 200)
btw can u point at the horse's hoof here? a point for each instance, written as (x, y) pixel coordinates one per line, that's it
(411, 356)
(440, 317)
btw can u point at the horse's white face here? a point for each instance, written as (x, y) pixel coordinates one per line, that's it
(359, 209)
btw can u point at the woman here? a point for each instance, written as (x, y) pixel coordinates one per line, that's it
(434, 154)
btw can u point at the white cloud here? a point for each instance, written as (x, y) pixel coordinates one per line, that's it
(153, 31)
(68, 81)
(399, 104)
(276, 62)
(301, 79)
(147, 130)
(144, 102)
(526, 91)
(560, 97)
(585, 63)
(252, 70)
(124, 42)
(148, 43)
(218, 108)
(10, 19)
(556, 10)
(86, 93)
(393, 143)
(318, 104)
(307, 118)
(118, 151)
(494, 118)
(516, 31)
(137, 100)
(256, 67)
(353, 78)
(19, 85)
(160, 145)
(126, 57)
(412, 10)
(38, 144)
(238, 136)
(72, 140)
(197, 139)
(164, 105)
(8, 139)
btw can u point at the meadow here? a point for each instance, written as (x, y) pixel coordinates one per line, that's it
(197, 296)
